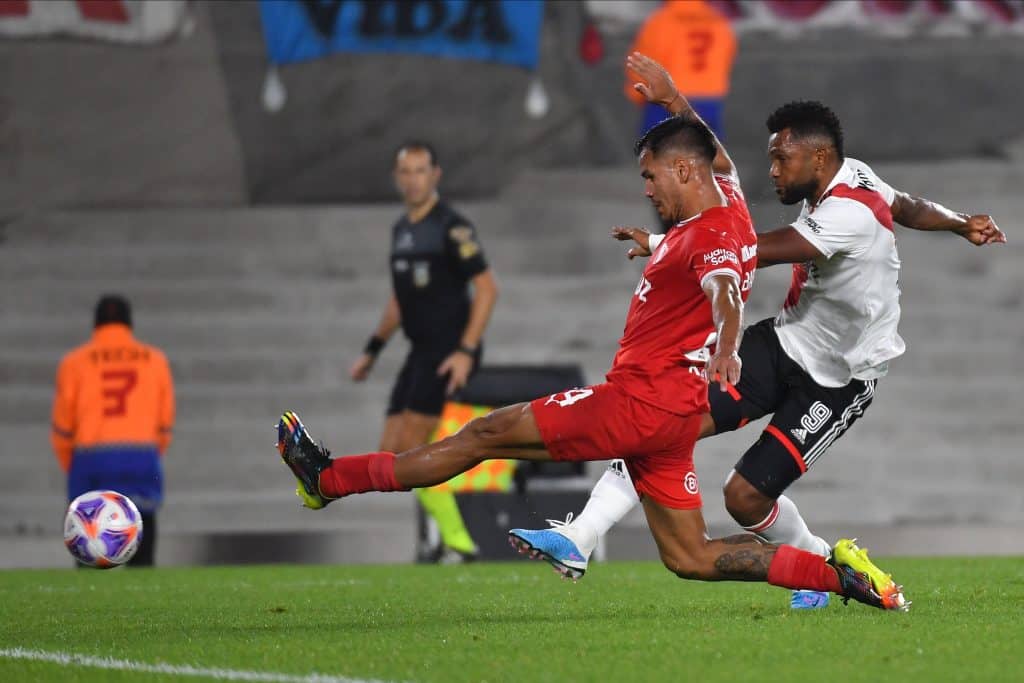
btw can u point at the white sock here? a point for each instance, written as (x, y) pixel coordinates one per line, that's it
(785, 525)
(611, 498)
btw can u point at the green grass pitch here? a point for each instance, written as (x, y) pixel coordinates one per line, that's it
(507, 622)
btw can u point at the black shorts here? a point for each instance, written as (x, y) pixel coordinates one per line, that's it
(419, 388)
(807, 417)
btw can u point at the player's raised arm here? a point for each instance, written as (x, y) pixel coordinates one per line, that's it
(656, 86)
(919, 213)
(723, 291)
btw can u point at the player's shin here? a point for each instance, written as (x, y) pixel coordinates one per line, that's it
(610, 500)
(799, 569)
(360, 474)
(784, 525)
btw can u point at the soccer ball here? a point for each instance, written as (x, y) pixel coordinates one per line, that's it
(102, 529)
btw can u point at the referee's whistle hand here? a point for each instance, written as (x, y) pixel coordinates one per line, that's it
(360, 370)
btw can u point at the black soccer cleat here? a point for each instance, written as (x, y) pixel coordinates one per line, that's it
(305, 458)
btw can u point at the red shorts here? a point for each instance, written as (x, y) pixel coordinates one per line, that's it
(602, 422)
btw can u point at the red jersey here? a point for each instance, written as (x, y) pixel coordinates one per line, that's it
(669, 331)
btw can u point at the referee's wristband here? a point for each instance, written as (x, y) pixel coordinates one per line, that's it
(374, 345)
(462, 348)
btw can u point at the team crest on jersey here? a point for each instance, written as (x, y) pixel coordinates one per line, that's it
(463, 235)
(421, 273)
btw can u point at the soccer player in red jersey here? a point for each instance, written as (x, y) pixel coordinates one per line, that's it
(682, 329)
(815, 366)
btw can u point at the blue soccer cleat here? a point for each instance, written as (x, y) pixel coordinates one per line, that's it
(563, 546)
(808, 600)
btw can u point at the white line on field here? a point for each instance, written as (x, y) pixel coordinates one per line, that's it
(69, 659)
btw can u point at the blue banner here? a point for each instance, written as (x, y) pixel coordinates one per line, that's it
(506, 31)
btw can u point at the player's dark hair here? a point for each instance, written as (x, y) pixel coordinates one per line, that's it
(113, 308)
(418, 145)
(678, 132)
(808, 119)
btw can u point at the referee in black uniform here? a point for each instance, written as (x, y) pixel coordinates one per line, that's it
(442, 295)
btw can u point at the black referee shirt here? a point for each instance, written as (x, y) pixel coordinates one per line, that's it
(432, 262)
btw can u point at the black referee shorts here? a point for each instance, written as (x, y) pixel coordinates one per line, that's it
(807, 417)
(419, 388)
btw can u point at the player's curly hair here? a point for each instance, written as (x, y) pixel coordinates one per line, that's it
(689, 134)
(806, 119)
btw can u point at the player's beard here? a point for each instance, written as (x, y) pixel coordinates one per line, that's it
(794, 194)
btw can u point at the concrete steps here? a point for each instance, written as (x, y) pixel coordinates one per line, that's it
(263, 309)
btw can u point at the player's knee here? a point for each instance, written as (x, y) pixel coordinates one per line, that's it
(745, 503)
(489, 427)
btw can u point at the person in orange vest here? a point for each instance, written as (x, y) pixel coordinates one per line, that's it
(697, 46)
(113, 412)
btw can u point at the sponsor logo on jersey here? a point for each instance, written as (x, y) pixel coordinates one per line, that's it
(720, 256)
(748, 251)
(690, 484)
(468, 250)
(812, 224)
(401, 265)
(863, 180)
(800, 434)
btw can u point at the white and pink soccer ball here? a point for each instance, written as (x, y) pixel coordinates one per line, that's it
(102, 529)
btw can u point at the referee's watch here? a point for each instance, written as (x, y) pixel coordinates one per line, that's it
(462, 348)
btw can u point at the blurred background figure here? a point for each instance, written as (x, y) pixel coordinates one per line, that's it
(697, 46)
(113, 412)
(442, 295)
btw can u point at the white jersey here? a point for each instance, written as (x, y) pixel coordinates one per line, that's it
(840, 316)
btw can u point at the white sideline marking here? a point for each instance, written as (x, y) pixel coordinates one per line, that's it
(68, 659)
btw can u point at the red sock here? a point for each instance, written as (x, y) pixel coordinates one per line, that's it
(359, 474)
(799, 569)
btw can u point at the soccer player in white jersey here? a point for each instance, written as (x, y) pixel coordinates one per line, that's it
(815, 366)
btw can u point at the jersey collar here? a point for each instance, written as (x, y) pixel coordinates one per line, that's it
(112, 332)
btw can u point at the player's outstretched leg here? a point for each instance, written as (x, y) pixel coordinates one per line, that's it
(861, 580)
(507, 432)
(564, 546)
(305, 458)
